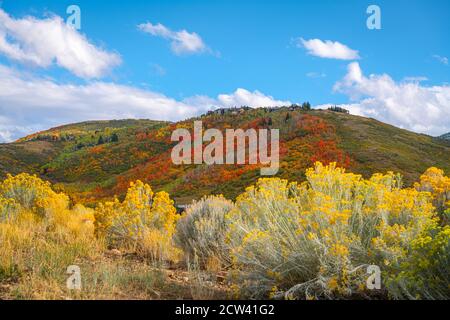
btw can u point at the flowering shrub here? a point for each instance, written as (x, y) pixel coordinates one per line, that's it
(25, 194)
(434, 181)
(9, 209)
(425, 272)
(33, 194)
(201, 230)
(143, 221)
(314, 240)
(39, 234)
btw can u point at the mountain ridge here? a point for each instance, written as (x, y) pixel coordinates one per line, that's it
(94, 160)
(445, 136)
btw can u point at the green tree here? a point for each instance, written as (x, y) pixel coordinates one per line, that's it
(306, 106)
(114, 137)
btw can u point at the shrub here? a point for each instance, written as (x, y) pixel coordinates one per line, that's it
(33, 194)
(425, 273)
(434, 181)
(316, 239)
(39, 234)
(143, 221)
(9, 209)
(201, 230)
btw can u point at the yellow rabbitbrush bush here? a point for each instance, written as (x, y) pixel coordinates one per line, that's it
(434, 181)
(26, 194)
(316, 239)
(39, 234)
(425, 273)
(9, 209)
(144, 222)
(32, 194)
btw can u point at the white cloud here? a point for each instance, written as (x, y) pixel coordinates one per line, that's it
(29, 104)
(42, 42)
(443, 60)
(182, 42)
(242, 97)
(328, 49)
(406, 104)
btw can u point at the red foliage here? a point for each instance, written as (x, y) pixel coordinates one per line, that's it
(327, 151)
(320, 143)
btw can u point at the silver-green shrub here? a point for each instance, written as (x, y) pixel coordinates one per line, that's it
(201, 230)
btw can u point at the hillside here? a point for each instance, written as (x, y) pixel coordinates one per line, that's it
(98, 159)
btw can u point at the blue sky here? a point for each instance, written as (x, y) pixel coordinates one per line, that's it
(253, 45)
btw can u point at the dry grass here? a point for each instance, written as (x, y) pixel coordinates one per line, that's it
(112, 277)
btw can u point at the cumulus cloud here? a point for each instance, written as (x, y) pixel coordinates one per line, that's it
(29, 103)
(407, 105)
(181, 42)
(242, 97)
(328, 49)
(43, 42)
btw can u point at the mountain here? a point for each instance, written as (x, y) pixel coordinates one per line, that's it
(97, 159)
(445, 136)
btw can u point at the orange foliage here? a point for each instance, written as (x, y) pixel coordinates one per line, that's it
(96, 149)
